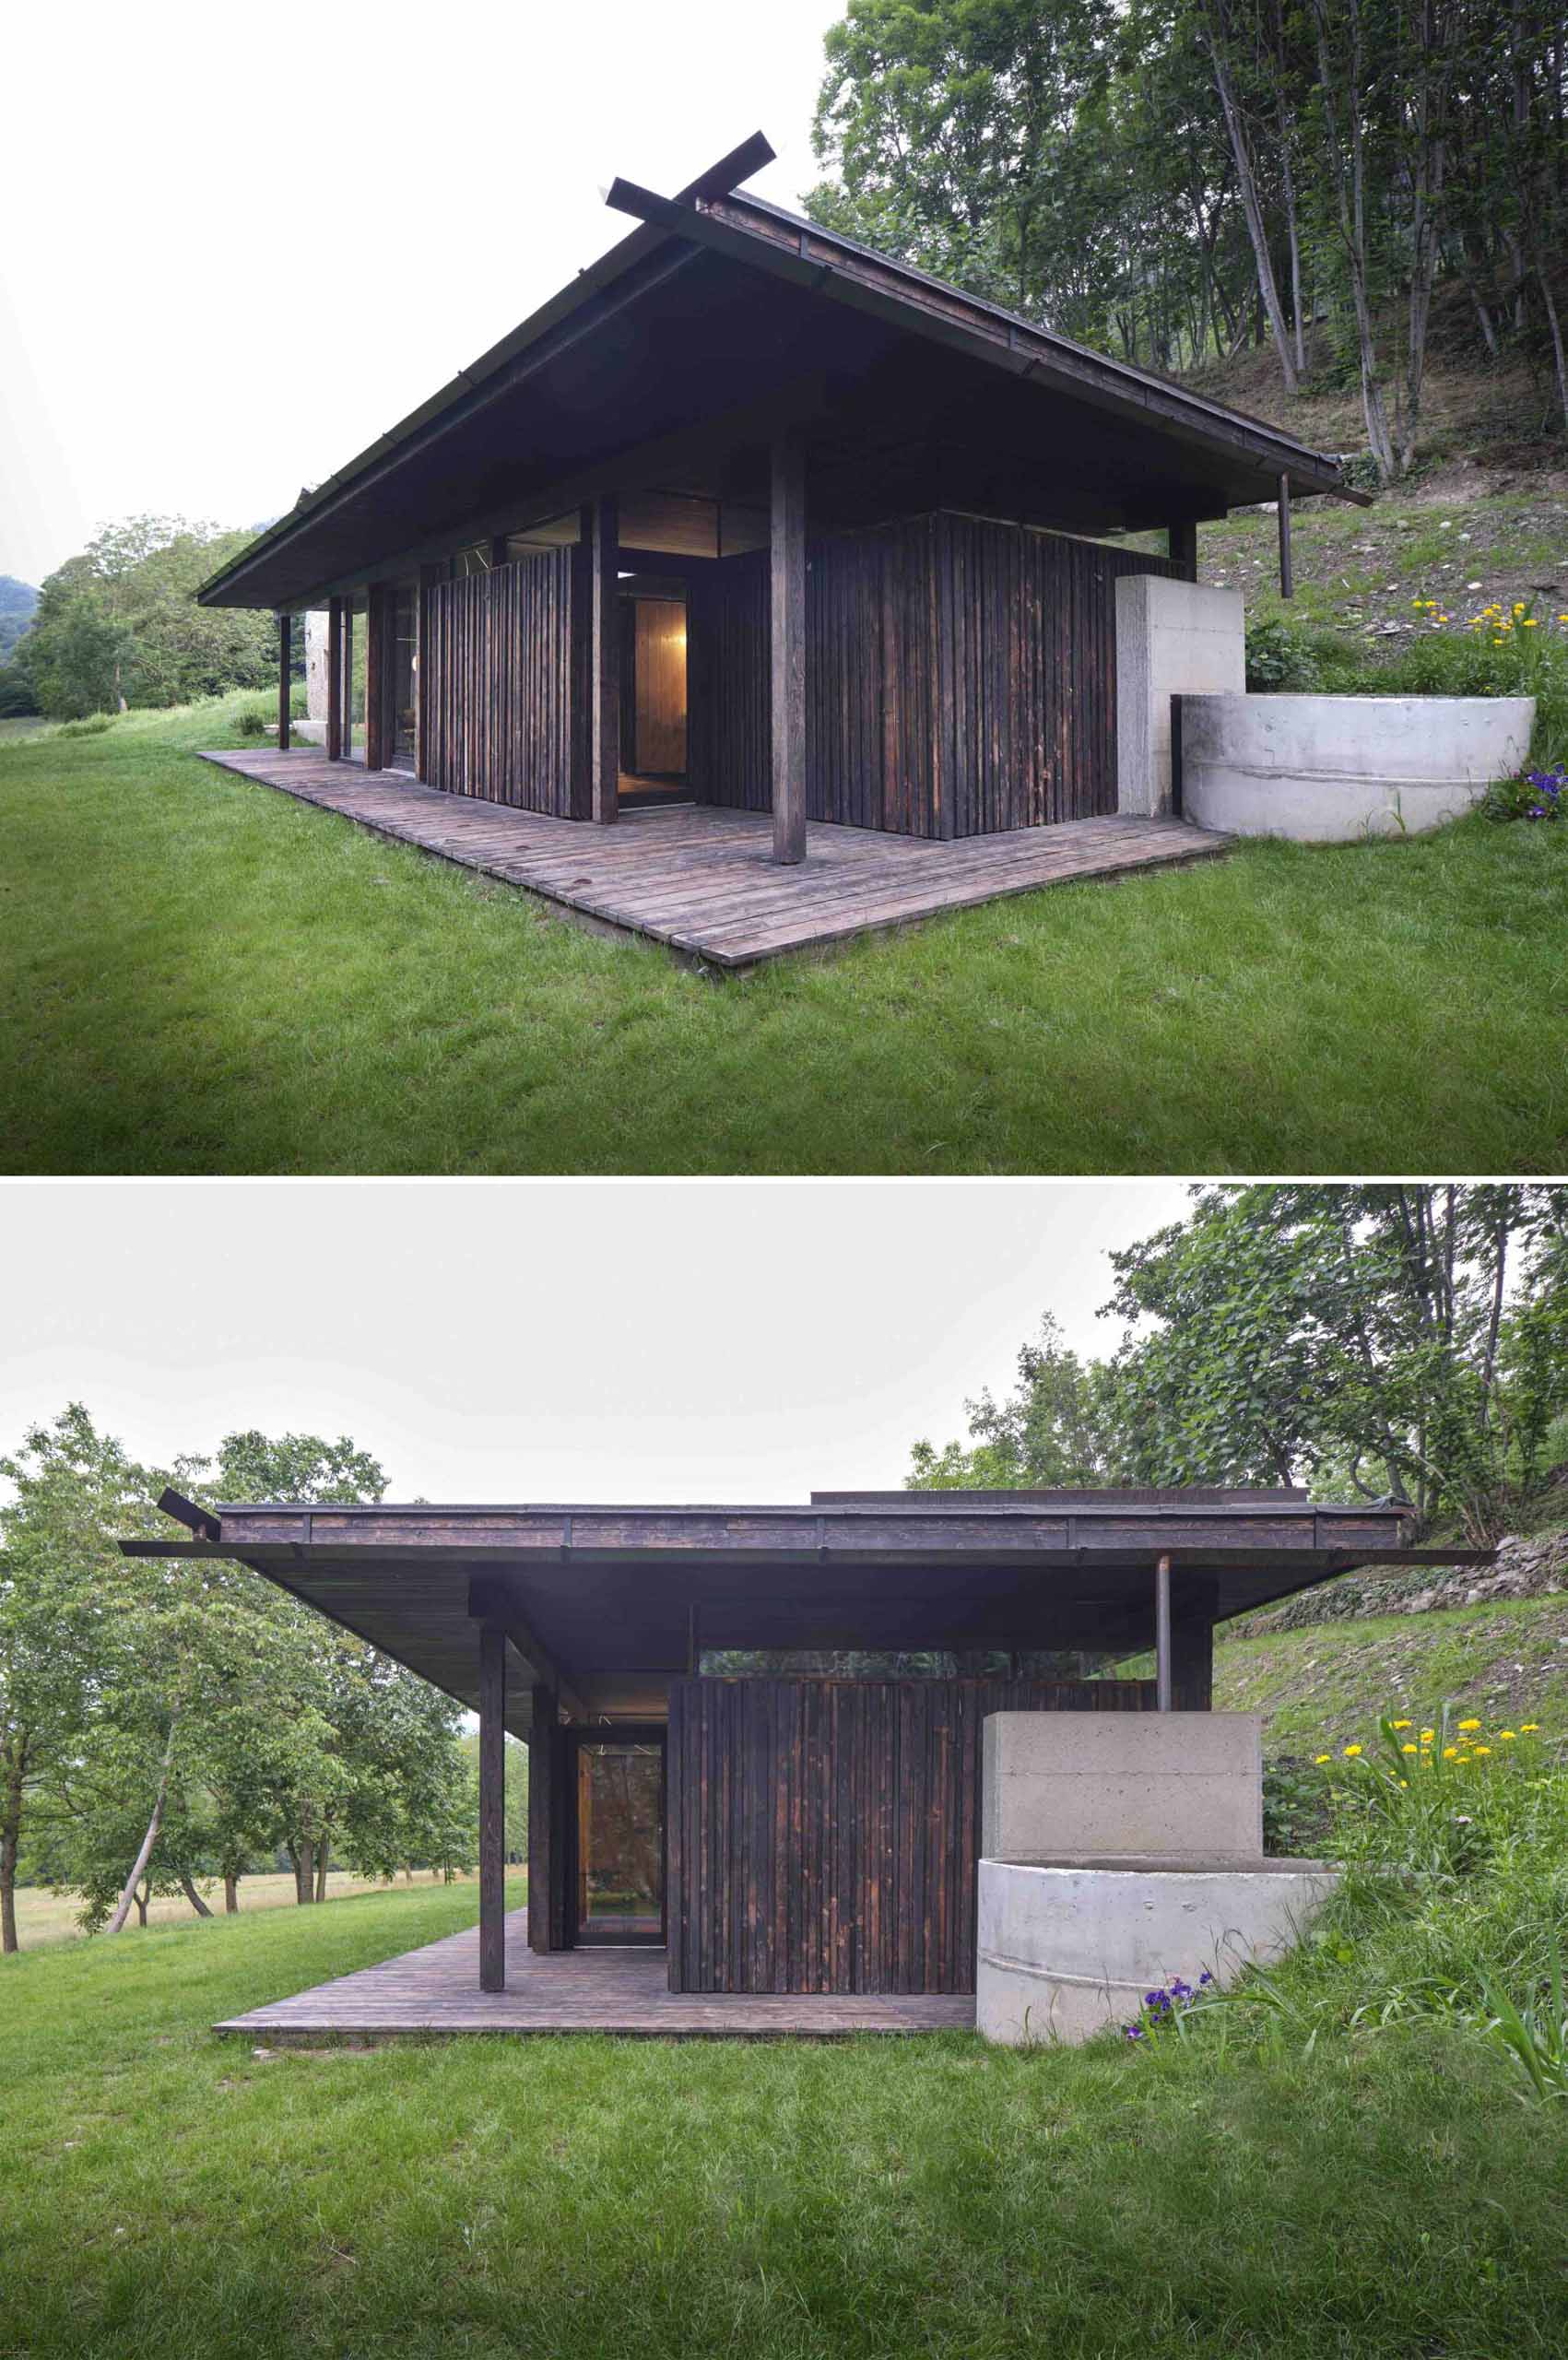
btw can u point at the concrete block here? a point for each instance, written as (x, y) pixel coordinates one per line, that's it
(315, 666)
(1067, 1948)
(1331, 770)
(1054, 1784)
(1170, 637)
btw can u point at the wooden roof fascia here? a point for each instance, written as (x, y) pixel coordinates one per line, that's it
(717, 179)
(1021, 350)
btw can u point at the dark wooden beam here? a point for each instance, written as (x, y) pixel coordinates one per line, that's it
(1163, 1636)
(429, 575)
(604, 662)
(490, 1600)
(285, 680)
(200, 1521)
(546, 1896)
(335, 680)
(1193, 1600)
(375, 670)
(1287, 571)
(492, 1808)
(1181, 540)
(787, 645)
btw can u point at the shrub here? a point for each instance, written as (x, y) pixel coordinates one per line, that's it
(1279, 655)
(250, 723)
(92, 726)
(1298, 1817)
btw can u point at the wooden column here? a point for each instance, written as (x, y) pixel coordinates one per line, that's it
(429, 575)
(603, 657)
(1181, 540)
(284, 679)
(1163, 1636)
(1194, 1599)
(545, 1864)
(335, 680)
(1287, 582)
(787, 643)
(492, 1807)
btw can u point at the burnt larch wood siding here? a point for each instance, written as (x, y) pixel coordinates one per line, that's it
(960, 677)
(502, 685)
(823, 1834)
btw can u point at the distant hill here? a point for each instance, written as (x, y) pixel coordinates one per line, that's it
(17, 600)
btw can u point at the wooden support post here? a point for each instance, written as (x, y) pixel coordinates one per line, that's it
(1194, 1601)
(492, 1808)
(1163, 1636)
(787, 641)
(604, 662)
(285, 678)
(1181, 540)
(335, 680)
(1287, 582)
(546, 1901)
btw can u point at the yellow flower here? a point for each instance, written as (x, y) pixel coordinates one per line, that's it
(1480, 1750)
(1427, 1736)
(1450, 1753)
(1528, 623)
(1464, 1757)
(1399, 1725)
(1506, 1736)
(1518, 605)
(1407, 1749)
(1323, 1757)
(1352, 1749)
(1468, 1725)
(1529, 1727)
(1404, 1782)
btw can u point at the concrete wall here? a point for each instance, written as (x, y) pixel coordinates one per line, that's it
(1170, 636)
(1055, 1784)
(1330, 769)
(1068, 1948)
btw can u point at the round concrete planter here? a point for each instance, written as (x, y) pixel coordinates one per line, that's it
(1068, 1947)
(1330, 769)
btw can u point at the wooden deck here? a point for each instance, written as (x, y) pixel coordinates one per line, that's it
(704, 881)
(619, 1991)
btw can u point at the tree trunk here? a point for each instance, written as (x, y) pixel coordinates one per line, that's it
(1343, 100)
(230, 1895)
(322, 1850)
(192, 1896)
(1555, 324)
(123, 1907)
(143, 1895)
(10, 1843)
(303, 1858)
(1252, 206)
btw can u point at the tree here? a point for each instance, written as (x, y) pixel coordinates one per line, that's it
(1408, 1339)
(63, 1588)
(1051, 1431)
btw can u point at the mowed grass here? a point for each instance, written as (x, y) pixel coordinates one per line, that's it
(45, 1916)
(164, 2192)
(197, 975)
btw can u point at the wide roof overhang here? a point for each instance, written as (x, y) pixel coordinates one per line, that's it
(595, 1597)
(720, 322)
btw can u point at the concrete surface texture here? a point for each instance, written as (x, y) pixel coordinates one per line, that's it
(1170, 637)
(1092, 1785)
(1067, 1948)
(1331, 770)
(315, 667)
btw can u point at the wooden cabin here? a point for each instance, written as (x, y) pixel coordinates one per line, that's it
(754, 1733)
(752, 517)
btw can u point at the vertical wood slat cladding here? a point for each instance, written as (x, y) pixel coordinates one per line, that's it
(823, 1834)
(500, 682)
(960, 677)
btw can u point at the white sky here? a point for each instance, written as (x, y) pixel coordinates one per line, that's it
(645, 1340)
(244, 243)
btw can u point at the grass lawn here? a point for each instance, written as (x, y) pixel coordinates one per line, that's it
(199, 975)
(45, 1916)
(165, 2193)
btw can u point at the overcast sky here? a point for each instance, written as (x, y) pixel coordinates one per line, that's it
(243, 243)
(645, 1340)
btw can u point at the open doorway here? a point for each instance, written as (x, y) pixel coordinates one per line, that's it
(653, 691)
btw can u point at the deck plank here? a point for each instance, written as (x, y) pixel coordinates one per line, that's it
(704, 880)
(623, 1993)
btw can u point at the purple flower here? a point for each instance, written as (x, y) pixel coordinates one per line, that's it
(1180, 1990)
(1132, 2032)
(1206, 1977)
(1157, 2004)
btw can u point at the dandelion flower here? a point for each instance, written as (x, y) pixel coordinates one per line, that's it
(1407, 1749)
(1450, 1753)
(1528, 623)
(1480, 1750)
(1504, 1737)
(1400, 1725)
(1529, 1727)
(1427, 1736)
(1321, 1758)
(1352, 1750)
(1468, 1725)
